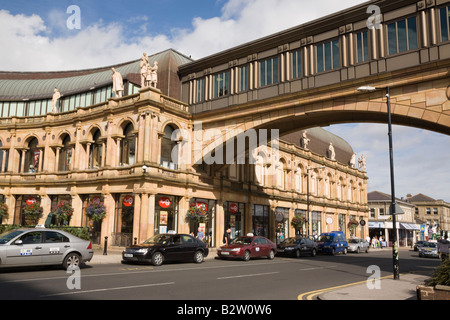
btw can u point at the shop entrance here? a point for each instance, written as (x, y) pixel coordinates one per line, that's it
(123, 220)
(166, 213)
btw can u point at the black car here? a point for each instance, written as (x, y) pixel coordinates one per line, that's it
(296, 247)
(167, 247)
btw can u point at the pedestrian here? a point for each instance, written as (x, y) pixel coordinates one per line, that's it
(443, 247)
(227, 237)
(200, 234)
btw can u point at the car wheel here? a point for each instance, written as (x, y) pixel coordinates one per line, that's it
(313, 252)
(297, 253)
(367, 250)
(333, 252)
(345, 251)
(271, 255)
(246, 256)
(157, 259)
(72, 260)
(357, 250)
(198, 257)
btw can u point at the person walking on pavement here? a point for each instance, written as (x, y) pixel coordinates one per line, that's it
(443, 248)
(227, 237)
(200, 234)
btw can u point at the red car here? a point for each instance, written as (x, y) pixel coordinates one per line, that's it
(247, 247)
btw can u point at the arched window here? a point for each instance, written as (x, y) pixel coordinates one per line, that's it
(298, 179)
(95, 151)
(32, 157)
(169, 149)
(128, 146)
(65, 155)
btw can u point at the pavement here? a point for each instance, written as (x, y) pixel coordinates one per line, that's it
(384, 288)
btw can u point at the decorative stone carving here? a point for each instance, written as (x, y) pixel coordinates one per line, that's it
(117, 83)
(331, 152)
(55, 98)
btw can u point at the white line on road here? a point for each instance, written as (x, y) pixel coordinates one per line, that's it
(247, 275)
(108, 289)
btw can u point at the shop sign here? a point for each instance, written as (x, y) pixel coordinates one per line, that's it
(164, 202)
(31, 200)
(234, 208)
(128, 201)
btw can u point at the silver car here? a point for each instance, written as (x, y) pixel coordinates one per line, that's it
(357, 245)
(40, 246)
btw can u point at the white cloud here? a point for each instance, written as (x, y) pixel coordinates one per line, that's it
(57, 48)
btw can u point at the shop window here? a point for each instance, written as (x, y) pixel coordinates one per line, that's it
(166, 214)
(328, 56)
(234, 218)
(268, 71)
(402, 35)
(260, 220)
(221, 84)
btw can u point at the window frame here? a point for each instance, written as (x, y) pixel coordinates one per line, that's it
(223, 90)
(269, 78)
(408, 38)
(332, 60)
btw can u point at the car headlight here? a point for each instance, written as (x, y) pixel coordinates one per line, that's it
(142, 250)
(235, 249)
(289, 248)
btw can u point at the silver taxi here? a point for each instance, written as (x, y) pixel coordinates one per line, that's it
(41, 246)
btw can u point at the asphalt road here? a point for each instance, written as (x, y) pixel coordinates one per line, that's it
(257, 279)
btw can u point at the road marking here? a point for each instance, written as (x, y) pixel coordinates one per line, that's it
(108, 289)
(247, 275)
(313, 294)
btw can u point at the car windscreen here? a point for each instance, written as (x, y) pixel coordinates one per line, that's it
(158, 239)
(242, 240)
(8, 236)
(430, 245)
(290, 241)
(353, 241)
(325, 239)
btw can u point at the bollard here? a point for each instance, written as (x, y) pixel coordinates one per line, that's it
(106, 245)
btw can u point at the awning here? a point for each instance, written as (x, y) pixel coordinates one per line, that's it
(409, 226)
(376, 224)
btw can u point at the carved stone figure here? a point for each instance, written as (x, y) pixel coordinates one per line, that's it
(362, 163)
(305, 140)
(353, 161)
(331, 152)
(144, 69)
(55, 98)
(154, 74)
(117, 83)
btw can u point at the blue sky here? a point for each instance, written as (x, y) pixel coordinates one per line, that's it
(36, 36)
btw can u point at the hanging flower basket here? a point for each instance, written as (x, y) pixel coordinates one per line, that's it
(3, 210)
(63, 212)
(352, 224)
(297, 222)
(195, 214)
(96, 211)
(32, 213)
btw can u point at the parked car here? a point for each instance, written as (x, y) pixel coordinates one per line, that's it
(418, 244)
(41, 246)
(358, 245)
(246, 247)
(332, 242)
(296, 247)
(166, 247)
(429, 249)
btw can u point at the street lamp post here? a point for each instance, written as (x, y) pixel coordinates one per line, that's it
(391, 165)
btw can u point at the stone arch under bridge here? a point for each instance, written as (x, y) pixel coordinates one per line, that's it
(419, 98)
